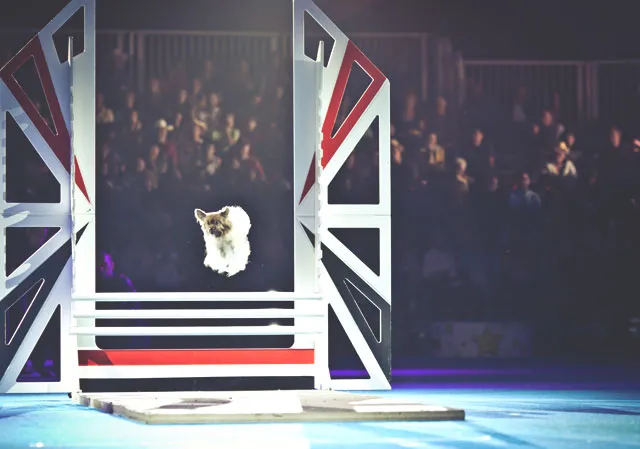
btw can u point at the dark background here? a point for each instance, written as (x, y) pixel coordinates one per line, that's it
(544, 29)
(581, 305)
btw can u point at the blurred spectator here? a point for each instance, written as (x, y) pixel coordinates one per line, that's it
(442, 123)
(549, 133)
(495, 204)
(437, 155)
(525, 207)
(231, 134)
(480, 159)
(108, 279)
(561, 168)
(104, 115)
(519, 112)
(461, 183)
(438, 264)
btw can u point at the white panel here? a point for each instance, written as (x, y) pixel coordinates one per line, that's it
(203, 296)
(83, 106)
(304, 122)
(305, 279)
(53, 215)
(83, 147)
(347, 216)
(307, 207)
(304, 260)
(204, 314)
(195, 330)
(305, 144)
(85, 258)
(308, 222)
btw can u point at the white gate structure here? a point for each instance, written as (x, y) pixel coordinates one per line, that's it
(327, 273)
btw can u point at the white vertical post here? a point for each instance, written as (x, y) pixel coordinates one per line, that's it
(68, 342)
(305, 144)
(323, 376)
(319, 197)
(72, 171)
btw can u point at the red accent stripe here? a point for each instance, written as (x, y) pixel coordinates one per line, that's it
(331, 144)
(60, 142)
(143, 357)
(311, 179)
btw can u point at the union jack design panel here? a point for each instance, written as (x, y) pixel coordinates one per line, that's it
(342, 272)
(50, 266)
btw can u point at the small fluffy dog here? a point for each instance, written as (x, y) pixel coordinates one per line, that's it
(226, 238)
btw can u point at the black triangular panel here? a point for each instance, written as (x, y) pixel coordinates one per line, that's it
(24, 242)
(371, 314)
(73, 27)
(313, 34)
(339, 273)
(344, 361)
(342, 355)
(45, 357)
(49, 271)
(363, 243)
(14, 314)
(28, 179)
(310, 234)
(80, 232)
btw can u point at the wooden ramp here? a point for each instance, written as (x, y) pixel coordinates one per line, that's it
(263, 407)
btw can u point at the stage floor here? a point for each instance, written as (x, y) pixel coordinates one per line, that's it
(558, 415)
(242, 407)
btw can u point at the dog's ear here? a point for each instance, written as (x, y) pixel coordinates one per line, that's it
(225, 213)
(200, 215)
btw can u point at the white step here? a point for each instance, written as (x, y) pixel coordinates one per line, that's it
(192, 331)
(195, 314)
(199, 296)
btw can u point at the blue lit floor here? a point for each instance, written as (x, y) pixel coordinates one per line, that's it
(558, 415)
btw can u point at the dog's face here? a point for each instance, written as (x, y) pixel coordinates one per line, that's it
(216, 224)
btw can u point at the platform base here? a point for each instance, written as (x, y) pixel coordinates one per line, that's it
(263, 407)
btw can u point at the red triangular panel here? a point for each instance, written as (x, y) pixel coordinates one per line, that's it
(311, 179)
(60, 142)
(331, 144)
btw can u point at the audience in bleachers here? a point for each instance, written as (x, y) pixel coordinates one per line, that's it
(492, 220)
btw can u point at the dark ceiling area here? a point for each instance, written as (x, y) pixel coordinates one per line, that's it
(561, 29)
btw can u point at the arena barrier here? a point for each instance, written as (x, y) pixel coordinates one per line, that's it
(327, 273)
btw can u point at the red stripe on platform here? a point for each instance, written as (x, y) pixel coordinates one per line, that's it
(143, 357)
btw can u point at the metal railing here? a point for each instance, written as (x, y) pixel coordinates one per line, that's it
(618, 91)
(598, 90)
(409, 57)
(608, 91)
(501, 80)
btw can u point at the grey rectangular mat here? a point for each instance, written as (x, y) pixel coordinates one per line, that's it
(264, 406)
